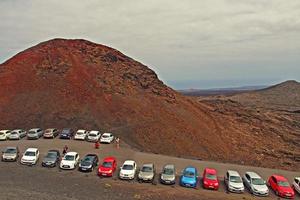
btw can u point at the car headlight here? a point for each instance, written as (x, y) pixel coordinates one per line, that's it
(216, 184)
(205, 182)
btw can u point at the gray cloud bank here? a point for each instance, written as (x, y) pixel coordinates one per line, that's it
(191, 43)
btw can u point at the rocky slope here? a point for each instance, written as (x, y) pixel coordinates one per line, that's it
(80, 84)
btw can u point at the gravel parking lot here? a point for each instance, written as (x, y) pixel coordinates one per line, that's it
(35, 182)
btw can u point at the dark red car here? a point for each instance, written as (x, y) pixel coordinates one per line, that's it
(108, 167)
(210, 179)
(281, 186)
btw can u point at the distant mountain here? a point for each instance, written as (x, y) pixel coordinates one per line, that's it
(219, 91)
(284, 96)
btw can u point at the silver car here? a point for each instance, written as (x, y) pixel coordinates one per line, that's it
(10, 154)
(17, 134)
(147, 173)
(34, 134)
(168, 175)
(255, 184)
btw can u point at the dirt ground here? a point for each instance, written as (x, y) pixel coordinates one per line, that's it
(25, 182)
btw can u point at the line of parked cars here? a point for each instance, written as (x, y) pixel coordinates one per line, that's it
(67, 133)
(130, 171)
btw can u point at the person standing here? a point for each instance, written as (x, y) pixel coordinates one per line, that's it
(118, 142)
(65, 150)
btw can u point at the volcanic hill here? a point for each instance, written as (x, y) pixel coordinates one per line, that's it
(79, 84)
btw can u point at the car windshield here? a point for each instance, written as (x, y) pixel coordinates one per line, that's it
(105, 136)
(29, 153)
(51, 155)
(168, 171)
(147, 169)
(10, 150)
(69, 157)
(31, 132)
(107, 164)
(14, 133)
(127, 167)
(48, 131)
(79, 133)
(283, 183)
(258, 181)
(88, 159)
(211, 176)
(235, 179)
(92, 134)
(189, 174)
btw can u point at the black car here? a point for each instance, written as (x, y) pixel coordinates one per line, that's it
(66, 133)
(88, 162)
(51, 159)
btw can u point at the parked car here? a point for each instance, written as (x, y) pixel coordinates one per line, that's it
(88, 162)
(51, 133)
(17, 134)
(10, 154)
(107, 138)
(30, 156)
(66, 133)
(128, 170)
(147, 173)
(189, 177)
(281, 186)
(296, 184)
(93, 136)
(255, 184)
(4, 134)
(81, 134)
(51, 159)
(233, 182)
(210, 179)
(168, 175)
(35, 133)
(69, 161)
(108, 167)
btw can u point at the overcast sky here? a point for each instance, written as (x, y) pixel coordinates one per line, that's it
(189, 43)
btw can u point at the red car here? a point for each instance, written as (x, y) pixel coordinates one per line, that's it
(210, 179)
(281, 186)
(108, 167)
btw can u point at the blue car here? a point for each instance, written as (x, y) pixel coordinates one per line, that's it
(189, 177)
(66, 133)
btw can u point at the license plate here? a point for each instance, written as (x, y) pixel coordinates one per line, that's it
(103, 174)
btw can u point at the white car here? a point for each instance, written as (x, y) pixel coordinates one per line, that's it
(93, 136)
(255, 184)
(107, 138)
(296, 184)
(30, 156)
(233, 182)
(35, 133)
(4, 134)
(81, 135)
(128, 170)
(69, 161)
(17, 134)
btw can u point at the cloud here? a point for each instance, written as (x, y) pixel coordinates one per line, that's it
(192, 37)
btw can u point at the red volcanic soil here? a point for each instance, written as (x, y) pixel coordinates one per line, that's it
(76, 83)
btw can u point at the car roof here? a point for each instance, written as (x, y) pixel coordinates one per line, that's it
(253, 175)
(81, 130)
(210, 170)
(109, 159)
(34, 129)
(129, 162)
(71, 153)
(233, 173)
(94, 131)
(169, 166)
(148, 165)
(16, 130)
(31, 149)
(106, 133)
(53, 150)
(190, 169)
(4, 130)
(279, 177)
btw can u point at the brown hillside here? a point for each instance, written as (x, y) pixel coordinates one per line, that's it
(80, 84)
